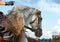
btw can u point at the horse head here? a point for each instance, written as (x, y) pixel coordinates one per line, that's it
(35, 22)
(21, 16)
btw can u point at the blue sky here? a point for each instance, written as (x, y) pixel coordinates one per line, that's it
(50, 10)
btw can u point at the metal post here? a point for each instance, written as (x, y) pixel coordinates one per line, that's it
(7, 3)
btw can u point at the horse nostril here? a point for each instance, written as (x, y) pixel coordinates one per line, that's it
(38, 32)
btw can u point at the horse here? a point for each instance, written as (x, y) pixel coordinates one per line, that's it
(18, 20)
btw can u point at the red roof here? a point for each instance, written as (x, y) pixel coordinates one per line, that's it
(31, 39)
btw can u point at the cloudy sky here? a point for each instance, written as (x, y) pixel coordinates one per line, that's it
(50, 10)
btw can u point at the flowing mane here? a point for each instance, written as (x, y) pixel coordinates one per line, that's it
(15, 22)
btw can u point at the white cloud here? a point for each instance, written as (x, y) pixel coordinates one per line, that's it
(57, 26)
(46, 33)
(49, 6)
(58, 21)
(56, 29)
(26, 0)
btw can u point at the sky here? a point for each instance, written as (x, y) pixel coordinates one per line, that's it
(50, 11)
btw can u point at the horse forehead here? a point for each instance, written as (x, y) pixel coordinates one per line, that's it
(26, 10)
(21, 7)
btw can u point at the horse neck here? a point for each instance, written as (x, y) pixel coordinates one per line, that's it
(21, 37)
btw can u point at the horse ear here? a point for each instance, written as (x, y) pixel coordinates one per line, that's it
(38, 12)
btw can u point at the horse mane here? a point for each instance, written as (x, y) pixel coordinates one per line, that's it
(15, 22)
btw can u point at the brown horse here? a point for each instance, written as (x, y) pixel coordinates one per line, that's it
(19, 18)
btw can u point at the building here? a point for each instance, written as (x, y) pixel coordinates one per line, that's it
(56, 38)
(31, 39)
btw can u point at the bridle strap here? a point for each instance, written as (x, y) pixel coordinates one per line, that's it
(29, 28)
